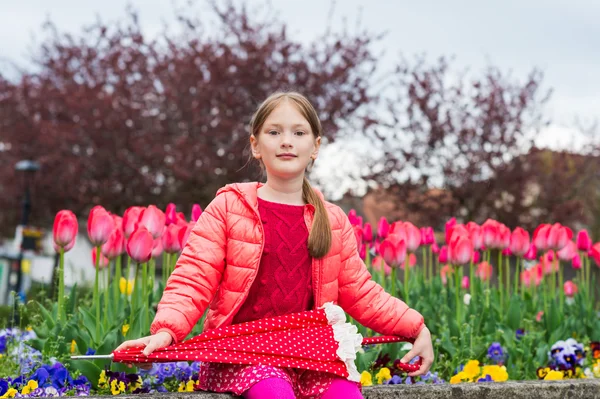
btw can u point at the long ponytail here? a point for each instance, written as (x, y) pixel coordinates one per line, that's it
(319, 238)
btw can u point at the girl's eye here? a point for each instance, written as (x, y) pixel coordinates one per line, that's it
(273, 132)
(300, 133)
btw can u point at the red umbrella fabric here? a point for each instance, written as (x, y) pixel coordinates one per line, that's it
(318, 340)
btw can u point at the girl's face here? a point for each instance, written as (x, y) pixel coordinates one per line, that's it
(285, 144)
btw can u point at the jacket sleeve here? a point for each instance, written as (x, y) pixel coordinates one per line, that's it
(365, 300)
(197, 274)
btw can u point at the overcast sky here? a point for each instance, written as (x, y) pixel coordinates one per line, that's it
(559, 36)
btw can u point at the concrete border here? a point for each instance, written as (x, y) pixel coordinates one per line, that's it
(572, 389)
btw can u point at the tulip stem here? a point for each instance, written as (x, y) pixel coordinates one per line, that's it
(518, 276)
(61, 285)
(500, 285)
(457, 294)
(394, 274)
(97, 296)
(106, 291)
(471, 277)
(118, 275)
(145, 308)
(406, 278)
(561, 284)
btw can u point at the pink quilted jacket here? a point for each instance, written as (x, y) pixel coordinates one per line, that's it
(221, 259)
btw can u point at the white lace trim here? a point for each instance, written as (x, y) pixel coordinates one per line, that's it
(347, 336)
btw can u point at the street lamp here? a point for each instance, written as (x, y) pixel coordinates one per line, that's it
(28, 168)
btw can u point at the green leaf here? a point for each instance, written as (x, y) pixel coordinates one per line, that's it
(513, 316)
(49, 318)
(89, 322)
(89, 369)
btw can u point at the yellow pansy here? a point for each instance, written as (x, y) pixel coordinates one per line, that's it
(383, 375)
(31, 385)
(135, 385)
(126, 286)
(73, 346)
(117, 387)
(596, 369)
(460, 377)
(125, 329)
(29, 328)
(472, 369)
(365, 379)
(497, 373)
(554, 375)
(10, 393)
(102, 379)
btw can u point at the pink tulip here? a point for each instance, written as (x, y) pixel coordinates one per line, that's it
(184, 234)
(525, 278)
(393, 250)
(130, 219)
(443, 255)
(595, 253)
(430, 235)
(539, 315)
(118, 221)
(465, 284)
(153, 219)
(413, 236)
(503, 236)
(584, 241)
(353, 218)
(476, 234)
(378, 262)
(531, 253)
(100, 225)
(540, 236)
(490, 233)
(456, 231)
(383, 228)
(104, 261)
(423, 231)
(434, 248)
(65, 229)
(460, 251)
(449, 225)
(476, 257)
(140, 244)
(559, 236)
(367, 231)
(115, 245)
(180, 221)
(576, 262)
(196, 212)
(362, 252)
(570, 288)
(170, 214)
(170, 239)
(358, 234)
(484, 271)
(568, 252)
(157, 248)
(445, 272)
(547, 263)
(537, 274)
(507, 252)
(519, 242)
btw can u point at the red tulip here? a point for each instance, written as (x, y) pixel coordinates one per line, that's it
(130, 219)
(153, 219)
(584, 241)
(465, 284)
(170, 214)
(484, 271)
(570, 288)
(559, 236)
(170, 239)
(449, 225)
(434, 248)
(576, 262)
(118, 221)
(476, 257)
(65, 229)
(358, 233)
(104, 261)
(140, 244)
(519, 242)
(383, 228)
(353, 218)
(367, 231)
(196, 212)
(100, 225)
(157, 248)
(378, 262)
(595, 253)
(540, 236)
(531, 253)
(115, 245)
(184, 234)
(568, 251)
(460, 250)
(362, 253)
(393, 250)
(445, 272)
(443, 255)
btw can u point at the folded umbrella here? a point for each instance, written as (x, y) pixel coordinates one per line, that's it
(319, 340)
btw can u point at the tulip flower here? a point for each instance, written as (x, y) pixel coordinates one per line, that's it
(383, 228)
(503, 236)
(170, 214)
(393, 250)
(153, 219)
(576, 262)
(130, 219)
(170, 239)
(100, 225)
(540, 236)
(519, 242)
(184, 234)
(595, 253)
(115, 245)
(196, 212)
(476, 257)
(358, 234)
(157, 248)
(570, 288)
(449, 225)
(378, 262)
(465, 283)
(567, 252)
(102, 262)
(443, 255)
(353, 218)
(559, 236)
(490, 233)
(367, 231)
(434, 248)
(445, 272)
(118, 221)
(460, 251)
(476, 235)
(531, 253)
(584, 242)
(65, 228)
(484, 271)
(140, 244)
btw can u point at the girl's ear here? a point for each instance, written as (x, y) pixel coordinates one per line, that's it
(317, 146)
(254, 145)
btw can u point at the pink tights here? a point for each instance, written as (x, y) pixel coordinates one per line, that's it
(277, 388)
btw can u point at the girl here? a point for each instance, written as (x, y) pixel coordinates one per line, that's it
(264, 250)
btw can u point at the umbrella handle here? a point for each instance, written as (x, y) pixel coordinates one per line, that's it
(386, 339)
(92, 357)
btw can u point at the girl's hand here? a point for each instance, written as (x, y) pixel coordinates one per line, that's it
(149, 343)
(422, 348)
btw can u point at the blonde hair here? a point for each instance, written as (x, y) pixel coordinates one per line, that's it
(319, 239)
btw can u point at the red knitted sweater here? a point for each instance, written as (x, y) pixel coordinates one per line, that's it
(283, 284)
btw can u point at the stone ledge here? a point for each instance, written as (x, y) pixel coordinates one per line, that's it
(573, 389)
